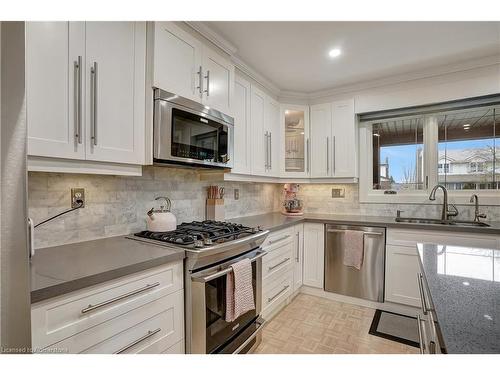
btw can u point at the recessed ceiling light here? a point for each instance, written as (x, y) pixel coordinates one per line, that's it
(334, 52)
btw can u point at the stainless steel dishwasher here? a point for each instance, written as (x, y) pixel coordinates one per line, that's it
(366, 283)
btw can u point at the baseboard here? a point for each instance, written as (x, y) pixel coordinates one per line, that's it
(387, 306)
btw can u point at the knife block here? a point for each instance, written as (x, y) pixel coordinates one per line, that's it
(215, 209)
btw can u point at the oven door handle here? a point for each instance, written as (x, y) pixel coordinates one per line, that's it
(215, 275)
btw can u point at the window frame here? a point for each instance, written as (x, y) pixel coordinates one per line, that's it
(431, 155)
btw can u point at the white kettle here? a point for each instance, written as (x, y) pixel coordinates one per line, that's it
(161, 219)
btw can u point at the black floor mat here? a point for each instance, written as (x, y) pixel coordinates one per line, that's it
(395, 327)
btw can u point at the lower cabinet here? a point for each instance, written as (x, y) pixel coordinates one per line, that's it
(140, 313)
(278, 271)
(402, 264)
(314, 254)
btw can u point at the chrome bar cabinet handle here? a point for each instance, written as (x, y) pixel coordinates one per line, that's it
(140, 339)
(200, 80)
(90, 308)
(208, 83)
(421, 291)
(270, 150)
(93, 103)
(266, 161)
(420, 335)
(279, 239)
(277, 294)
(308, 153)
(333, 152)
(327, 154)
(279, 264)
(298, 247)
(78, 99)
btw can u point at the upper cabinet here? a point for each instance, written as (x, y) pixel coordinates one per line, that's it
(55, 53)
(242, 129)
(344, 147)
(333, 140)
(177, 61)
(295, 147)
(85, 90)
(185, 66)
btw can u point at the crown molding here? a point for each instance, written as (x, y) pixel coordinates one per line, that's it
(307, 97)
(212, 36)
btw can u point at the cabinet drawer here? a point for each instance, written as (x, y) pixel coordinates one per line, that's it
(277, 261)
(152, 328)
(402, 237)
(61, 317)
(177, 348)
(276, 292)
(278, 238)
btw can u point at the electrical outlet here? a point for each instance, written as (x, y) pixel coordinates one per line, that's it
(76, 195)
(338, 193)
(236, 194)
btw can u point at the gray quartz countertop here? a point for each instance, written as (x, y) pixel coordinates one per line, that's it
(63, 269)
(276, 221)
(464, 286)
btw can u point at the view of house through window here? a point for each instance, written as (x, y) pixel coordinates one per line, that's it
(398, 155)
(468, 150)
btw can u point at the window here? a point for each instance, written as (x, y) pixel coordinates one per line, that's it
(466, 140)
(407, 152)
(398, 155)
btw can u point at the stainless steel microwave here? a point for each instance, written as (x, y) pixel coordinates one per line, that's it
(188, 133)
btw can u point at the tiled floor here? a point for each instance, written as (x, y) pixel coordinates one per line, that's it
(317, 325)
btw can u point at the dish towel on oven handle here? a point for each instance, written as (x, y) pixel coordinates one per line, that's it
(239, 290)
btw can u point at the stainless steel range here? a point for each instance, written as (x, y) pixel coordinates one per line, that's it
(211, 248)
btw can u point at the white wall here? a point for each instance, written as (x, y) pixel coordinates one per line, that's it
(439, 87)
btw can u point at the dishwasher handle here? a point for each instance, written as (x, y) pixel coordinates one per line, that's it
(364, 233)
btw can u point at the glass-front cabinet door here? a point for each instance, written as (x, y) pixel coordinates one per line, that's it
(295, 149)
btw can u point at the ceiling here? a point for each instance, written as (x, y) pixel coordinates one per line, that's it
(294, 55)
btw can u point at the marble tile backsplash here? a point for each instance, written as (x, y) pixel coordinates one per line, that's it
(318, 199)
(117, 205)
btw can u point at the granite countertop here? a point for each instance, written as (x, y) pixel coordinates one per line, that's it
(63, 269)
(464, 286)
(276, 221)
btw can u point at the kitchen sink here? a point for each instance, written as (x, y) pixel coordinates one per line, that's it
(460, 223)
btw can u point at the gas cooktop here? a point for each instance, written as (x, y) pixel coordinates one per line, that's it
(200, 234)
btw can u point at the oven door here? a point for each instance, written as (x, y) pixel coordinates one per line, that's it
(191, 136)
(211, 333)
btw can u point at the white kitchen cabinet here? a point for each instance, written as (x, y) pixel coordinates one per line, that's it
(298, 257)
(115, 112)
(333, 140)
(55, 54)
(85, 91)
(294, 134)
(401, 265)
(218, 84)
(242, 127)
(321, 135)
(259, 141)
(344, 163)
(147, 305)
(177, 63)
(314, 253)
(184, 66)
